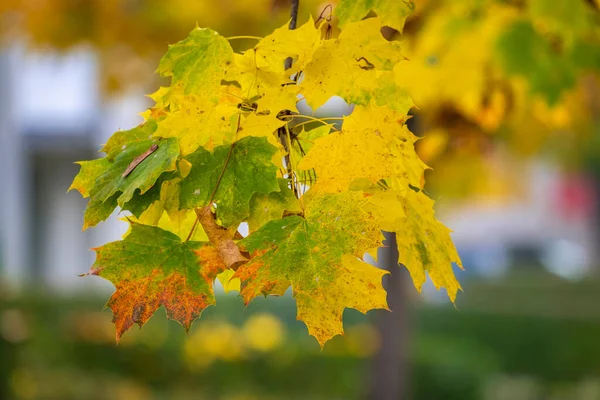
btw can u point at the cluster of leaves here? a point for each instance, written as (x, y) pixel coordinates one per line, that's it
(523, 69)
(225, 145)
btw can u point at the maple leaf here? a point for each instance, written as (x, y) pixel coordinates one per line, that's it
(379, 144)
(358, 286)
(110, 185)
(151, 267)
(115, 178)
(230, 176)
(197, 64)
(85, 180)
(358, 55)
(393, 13)
(319, 255)
(424, 244)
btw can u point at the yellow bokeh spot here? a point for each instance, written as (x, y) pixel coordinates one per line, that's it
(263, 332)
(212, 341)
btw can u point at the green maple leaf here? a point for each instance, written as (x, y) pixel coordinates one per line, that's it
(151, 267)
(320, 256)
(237, 173)
(104, 182)
(393, 13)
(198, 63)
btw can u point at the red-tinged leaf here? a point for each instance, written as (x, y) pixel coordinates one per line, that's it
(153, 267)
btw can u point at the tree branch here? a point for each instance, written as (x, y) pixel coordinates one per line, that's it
(293, 23)
(281, 133)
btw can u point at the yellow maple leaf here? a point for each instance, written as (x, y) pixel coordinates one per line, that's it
(327, 275)
(379, 145)
(424, 243)
(357, 56)
(358, 286)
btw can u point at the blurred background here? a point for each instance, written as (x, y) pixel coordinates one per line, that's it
(508, 96)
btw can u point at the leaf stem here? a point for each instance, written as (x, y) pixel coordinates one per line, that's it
(212, 196)
(321, 120)
(292, 26)
(244, 37)
(189, 236)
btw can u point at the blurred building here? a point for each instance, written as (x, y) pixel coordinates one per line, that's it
(550, 225)
(51, 115)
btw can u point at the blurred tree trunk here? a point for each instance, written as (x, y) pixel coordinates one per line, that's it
(390, 365)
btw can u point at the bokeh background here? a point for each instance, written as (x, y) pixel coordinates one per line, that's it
(509, 107)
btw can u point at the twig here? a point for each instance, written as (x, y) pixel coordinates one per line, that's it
(293, 23)
(189, 236)
(294, 14)
(138, 160)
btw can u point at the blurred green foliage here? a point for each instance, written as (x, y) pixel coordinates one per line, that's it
(64, 349)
